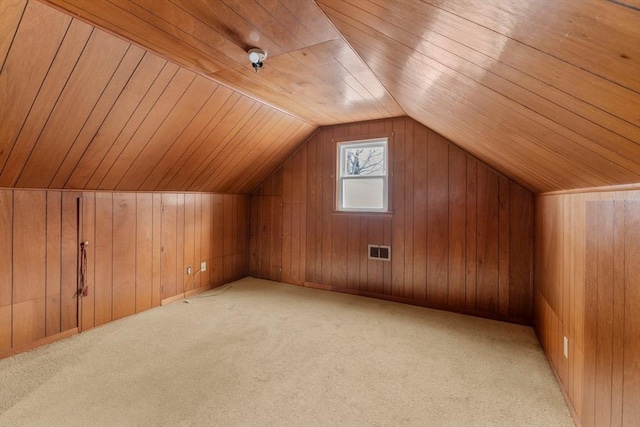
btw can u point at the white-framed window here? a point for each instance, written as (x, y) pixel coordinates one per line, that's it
(362, 176)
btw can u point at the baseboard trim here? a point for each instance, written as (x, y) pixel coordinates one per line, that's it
(317, 286)
(37, 343)
(171, 299)
(187, 294)
(393, 298)
(563, 390)
(196, 291)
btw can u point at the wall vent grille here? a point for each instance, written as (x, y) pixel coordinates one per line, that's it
(380, 252)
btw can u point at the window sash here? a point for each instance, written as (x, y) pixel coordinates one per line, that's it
(342, 176)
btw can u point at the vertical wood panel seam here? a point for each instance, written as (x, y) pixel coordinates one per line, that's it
(427, 218)
(153, 242)
(627, 203)
(60, 266)
(135, 257)
(624, 280)
(94, 258)
(466, 225)
(476, 263)
(532, 272)
(597, 327)
(61, 261)
(46, 258)
(448, 236)
(113, 199)
(13, 257)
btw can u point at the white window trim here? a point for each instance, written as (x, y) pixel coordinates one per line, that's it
(374, 142)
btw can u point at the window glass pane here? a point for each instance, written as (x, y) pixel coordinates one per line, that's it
(363, 161)
(363, 193)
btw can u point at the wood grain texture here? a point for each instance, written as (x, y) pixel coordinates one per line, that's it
(11, 12)
(457, 226)
(89, 110)
(588, 303)
(29, 63)
(124, 260)
(169, 248)
(38, 283)
(437, 219)
(156, 284)
(546, 96)
(88, 302)
(54, 262)
(71, 225)
(130, 237)
(520, 256)
(6, 266)
(349, 92)
(103, 258)
(631, 339)
(451, 214)
(144, 252)
(460, 67)
(84, 87)
(29, 267)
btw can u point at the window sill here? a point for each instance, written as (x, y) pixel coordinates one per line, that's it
(356, 213)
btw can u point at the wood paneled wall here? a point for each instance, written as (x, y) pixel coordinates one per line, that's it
(587, 277)
(140, 245)
(38, 266)
(461, 234)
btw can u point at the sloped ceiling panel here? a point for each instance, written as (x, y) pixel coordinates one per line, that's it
(310, 71)
(83, 109)
(546, 92)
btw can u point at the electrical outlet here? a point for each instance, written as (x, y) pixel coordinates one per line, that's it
(203, 266)
(566, 347)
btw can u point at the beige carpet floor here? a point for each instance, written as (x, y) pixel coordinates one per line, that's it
(261, 353)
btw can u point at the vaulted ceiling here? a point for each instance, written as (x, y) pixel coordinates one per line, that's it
(547, 92)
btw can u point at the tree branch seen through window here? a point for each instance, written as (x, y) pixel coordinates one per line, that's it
(362, 176)
(365, 161)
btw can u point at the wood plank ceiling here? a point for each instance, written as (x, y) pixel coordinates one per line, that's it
(546, 92)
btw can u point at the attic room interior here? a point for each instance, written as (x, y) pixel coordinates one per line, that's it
(320, 212)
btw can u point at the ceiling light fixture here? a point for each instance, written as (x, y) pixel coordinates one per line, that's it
(257, 57)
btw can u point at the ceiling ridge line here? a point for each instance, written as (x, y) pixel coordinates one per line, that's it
(355, 52)
(210, 76)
